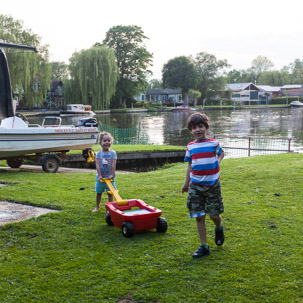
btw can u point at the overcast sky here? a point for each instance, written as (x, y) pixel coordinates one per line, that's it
(235, 30)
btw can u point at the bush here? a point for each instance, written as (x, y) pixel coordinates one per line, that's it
(139, 104)
(284, 100)
(217, 102)
(154, 105)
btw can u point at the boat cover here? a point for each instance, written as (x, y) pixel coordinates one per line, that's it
(6, 98)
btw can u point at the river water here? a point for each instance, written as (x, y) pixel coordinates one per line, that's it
(169, 128)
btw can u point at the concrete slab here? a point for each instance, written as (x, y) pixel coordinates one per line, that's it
(15, 212)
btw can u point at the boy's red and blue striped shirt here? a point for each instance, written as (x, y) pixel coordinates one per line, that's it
(204, 163)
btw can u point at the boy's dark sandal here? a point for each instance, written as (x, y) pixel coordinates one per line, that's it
(219, 238)
(201, 251)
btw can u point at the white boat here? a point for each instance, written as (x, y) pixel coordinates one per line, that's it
(296, 103)
(182, 108)
(77, 109)
(18, 138)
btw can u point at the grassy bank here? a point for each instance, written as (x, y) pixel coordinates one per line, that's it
(73, 256)
(124, 148)
(121, 148)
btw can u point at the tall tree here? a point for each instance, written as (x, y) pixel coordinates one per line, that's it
(93, 77)
(180, 72)
(259, 65)
(133, 60)
(274, 78)
(210, 71)
(155, 83)
(30, 72)
(238, 76)
(59, 71)
(194, 95)
(296, 71)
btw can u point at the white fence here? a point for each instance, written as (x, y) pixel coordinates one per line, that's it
(236, 147)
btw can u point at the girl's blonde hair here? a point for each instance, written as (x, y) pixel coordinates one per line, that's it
(101, 135)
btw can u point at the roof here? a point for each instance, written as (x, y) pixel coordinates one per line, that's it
(55, 84)
(166, 91)
(288, 86)
(238, 86)
(268, 88)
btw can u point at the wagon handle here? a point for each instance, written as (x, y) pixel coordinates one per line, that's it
(114, 192)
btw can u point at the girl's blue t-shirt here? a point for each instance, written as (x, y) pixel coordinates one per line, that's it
(105, 162)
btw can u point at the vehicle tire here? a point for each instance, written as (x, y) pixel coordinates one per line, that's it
(161, 225)
(50, 165)
(128, 229)
(14, 163)
(108, 219)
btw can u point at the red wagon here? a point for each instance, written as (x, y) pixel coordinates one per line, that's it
(132, 215)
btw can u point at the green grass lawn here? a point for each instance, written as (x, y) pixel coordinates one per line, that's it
(74, 256)
(124, 148)
(129, 148)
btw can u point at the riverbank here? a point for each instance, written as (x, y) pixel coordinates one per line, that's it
(73, 255)
(135, 157)
(132, 161)
(206, 108)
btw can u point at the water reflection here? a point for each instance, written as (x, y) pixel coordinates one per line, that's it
(170, 127)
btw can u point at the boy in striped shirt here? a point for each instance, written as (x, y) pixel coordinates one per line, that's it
(202, 181)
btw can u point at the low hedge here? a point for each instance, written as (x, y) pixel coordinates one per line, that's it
(284, 100)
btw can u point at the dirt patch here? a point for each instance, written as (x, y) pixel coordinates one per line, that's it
(14, 212)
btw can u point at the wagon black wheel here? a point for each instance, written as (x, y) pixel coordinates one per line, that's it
(128, 229)
(108, 219)
(14, 163)
(50, 165)
(161, 225)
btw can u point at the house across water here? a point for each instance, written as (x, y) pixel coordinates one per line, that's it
(165, 96)
(251, 94)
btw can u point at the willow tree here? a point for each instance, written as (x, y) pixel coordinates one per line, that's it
(93, 77)
(30, 72)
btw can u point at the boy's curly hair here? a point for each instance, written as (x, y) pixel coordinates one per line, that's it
(197, 119)
(101, 135)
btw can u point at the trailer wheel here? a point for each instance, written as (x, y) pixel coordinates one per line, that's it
(14, 163)
(128, 229)
(50, 164)
(161, 225)
(108, 219)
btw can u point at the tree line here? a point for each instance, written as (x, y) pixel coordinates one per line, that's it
(112, 72)
(109, 74)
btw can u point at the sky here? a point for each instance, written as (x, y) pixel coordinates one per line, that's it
(235, 30)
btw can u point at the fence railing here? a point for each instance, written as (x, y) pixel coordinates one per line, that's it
(236, 147)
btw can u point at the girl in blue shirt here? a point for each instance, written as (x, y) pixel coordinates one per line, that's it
(106, 160)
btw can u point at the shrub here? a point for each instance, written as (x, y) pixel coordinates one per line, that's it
(284, 100)
(139, 104)
(217, 102)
